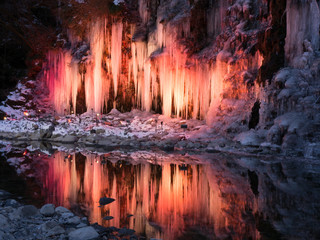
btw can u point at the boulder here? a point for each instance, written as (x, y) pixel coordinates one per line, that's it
(47, 210)
(28, 211)
(48, 226)
(60, 210)
(86, 233)
(73, 220)
(249, 138)
(274, 135)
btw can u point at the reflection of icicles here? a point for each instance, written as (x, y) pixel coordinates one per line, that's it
(161, 194)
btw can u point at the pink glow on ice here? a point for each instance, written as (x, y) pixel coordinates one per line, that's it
(161, 194)
(159, 68)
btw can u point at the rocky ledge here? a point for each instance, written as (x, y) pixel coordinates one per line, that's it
(27, 222)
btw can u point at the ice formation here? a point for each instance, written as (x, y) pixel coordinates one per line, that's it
(164, 76)
(303, 22)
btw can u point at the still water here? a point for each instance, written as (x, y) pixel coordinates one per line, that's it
(172, 196)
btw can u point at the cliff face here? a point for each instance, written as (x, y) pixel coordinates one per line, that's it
(27, 31)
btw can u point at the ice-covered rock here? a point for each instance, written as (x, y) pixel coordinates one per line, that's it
(274, 135)
(249, 138)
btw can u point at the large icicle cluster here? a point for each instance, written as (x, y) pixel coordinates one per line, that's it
(165, 77)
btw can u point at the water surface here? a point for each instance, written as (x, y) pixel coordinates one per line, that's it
(171, 196)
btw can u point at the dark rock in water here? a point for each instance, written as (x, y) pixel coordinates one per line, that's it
(47, 210)
(126, 232)
(107, 218)
(101, 230)
(104, 201)
(29, 211)
(86, 233)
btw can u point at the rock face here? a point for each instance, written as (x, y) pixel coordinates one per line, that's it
(24, 37)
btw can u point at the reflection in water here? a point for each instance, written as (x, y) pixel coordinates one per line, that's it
(215, 196)
(166, 200)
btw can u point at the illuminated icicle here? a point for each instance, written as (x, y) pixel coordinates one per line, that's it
(116, 43)
(62, 78)
(95, 75)
(160, 68)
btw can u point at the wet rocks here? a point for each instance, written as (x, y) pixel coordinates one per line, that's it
(85, 233)
(60, 210)
(73, 220)
(29, 211)
(47, 210)
(25, 222)
(125, 232)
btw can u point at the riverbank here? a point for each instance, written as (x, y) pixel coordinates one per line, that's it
(135, 130)
(19, 221)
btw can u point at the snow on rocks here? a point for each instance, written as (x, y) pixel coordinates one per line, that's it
(113, 129)
(250, 138)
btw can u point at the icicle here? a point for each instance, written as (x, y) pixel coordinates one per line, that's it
(116, 43)
(62, 78)
(303, 20)
(94, 87)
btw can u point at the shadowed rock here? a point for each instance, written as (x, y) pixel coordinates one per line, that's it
(104, 201)
(47, 210)
(85, 233)
(29, 211)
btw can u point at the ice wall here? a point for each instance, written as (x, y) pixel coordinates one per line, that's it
(164, 75)
(303, 22)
